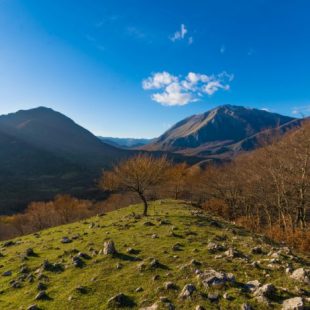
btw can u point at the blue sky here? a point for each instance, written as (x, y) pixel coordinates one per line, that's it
(134, 68)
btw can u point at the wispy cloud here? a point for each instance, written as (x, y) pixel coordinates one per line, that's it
(302, 110)
(177, 90)
(180, 34)
(135, 32)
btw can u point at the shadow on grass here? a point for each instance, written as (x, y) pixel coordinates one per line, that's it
(127, 257)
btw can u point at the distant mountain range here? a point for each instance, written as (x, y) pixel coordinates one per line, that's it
(221, 133)
(125, 143)
(44, 153)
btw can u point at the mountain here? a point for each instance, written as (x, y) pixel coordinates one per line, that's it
(176, 247)
(43, 153)
(220, 133)
(126, 143)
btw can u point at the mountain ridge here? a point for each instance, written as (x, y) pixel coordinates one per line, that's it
(208, 133)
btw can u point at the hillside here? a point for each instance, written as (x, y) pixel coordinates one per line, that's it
(222, 132)
(177, 258)
(44, 153)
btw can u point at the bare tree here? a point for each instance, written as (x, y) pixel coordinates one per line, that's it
(138, 174)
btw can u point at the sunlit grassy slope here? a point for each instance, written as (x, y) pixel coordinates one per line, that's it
(182, 234)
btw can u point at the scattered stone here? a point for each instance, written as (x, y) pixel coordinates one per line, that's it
(156, 277)
(212, 278)
(295, 303)
(16, 284)
(109, 248)
(42, 296)
(214, 247)
(120, 300)
(257, 250)
(267, 290)
(154, 236)
(7, 273)
(252, 286)
(83, 255)
(233, 253)
(41, 286)
(227, 296)
(199, 308)
(245, 307)
(8, 243)
(301, 275)
(77, 262)
(139, 289)
(170, 286)
(119, 266)
(177, 247)
(65, 240)
(213, 296)
(149, 224)
(187, 291)
(155, 263)
(194, 262)
(81, 289)
(30, 252)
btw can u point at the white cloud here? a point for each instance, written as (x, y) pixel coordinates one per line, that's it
(158, 80)
(180, 35)
(190, 40)
(177, 90)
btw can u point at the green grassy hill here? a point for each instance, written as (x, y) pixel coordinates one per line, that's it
(156, 257)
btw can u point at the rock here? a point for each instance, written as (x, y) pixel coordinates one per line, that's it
(213, 296)
(257, 250)
(177, 247)
(156, 277)
(16, 284)
(288, 270)
(120, 300)
(24, 269)
(154, 236)
(149, 224)
(109, 248)
(245, 307)
(187, 291)
(199, 308)
(233, 253)
(214, 247)
(30, 252)
(227, 296)
(81, 289)
(65, 240)
(252, 286)
(132, 251)
(41, 286)
(267, 290)
(194, 262)
(33, 307)
(170, 286)
(295, 303)
(7, 273)
(119, 266)
(212, 278)
(77, 262)
(155, 263)
(42, 296)
(139, 289)
(83, 255)
(301, 275)
(8, 243)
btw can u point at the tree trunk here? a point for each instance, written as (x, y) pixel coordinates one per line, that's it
(144, 203)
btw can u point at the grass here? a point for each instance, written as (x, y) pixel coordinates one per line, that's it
(102, 279)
